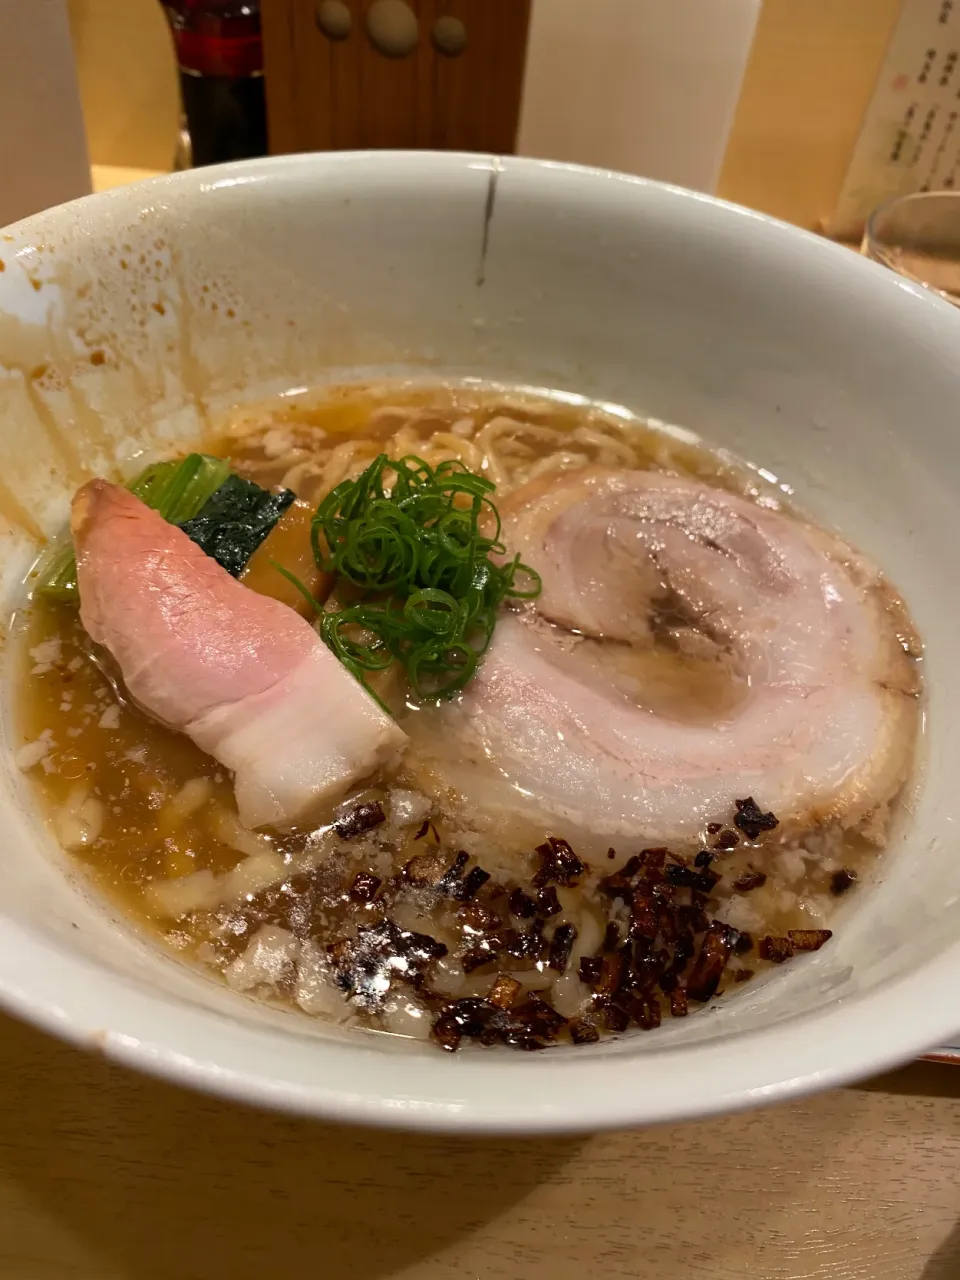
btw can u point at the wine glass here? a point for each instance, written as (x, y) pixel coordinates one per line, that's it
(918, 236)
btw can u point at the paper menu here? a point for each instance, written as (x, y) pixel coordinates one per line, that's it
(910, 136)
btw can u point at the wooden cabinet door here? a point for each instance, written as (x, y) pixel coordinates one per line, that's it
(339, 91)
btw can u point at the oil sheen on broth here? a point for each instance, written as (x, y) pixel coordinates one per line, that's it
(485, 887)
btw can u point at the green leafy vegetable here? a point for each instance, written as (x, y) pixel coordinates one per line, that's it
(235, 520)
(177, 490)
(414, 542)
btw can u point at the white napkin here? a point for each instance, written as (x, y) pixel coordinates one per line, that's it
(645, 86)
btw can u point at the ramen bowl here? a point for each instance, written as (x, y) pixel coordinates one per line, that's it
(128, 320)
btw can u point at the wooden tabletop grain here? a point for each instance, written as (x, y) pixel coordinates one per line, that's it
(105, 1175)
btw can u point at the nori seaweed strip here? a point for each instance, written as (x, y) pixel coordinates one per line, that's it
(235, 520)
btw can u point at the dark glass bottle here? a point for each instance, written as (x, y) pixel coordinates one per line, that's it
(220, 56)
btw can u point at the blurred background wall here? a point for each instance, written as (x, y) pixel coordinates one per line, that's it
(810, 72)
(128, 81)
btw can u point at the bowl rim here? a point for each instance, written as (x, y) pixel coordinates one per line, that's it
(468, 1093)
(790, 1058)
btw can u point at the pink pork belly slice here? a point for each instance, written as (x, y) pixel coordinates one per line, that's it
(243, 675)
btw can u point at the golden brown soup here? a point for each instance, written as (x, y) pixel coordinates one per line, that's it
(427, 908)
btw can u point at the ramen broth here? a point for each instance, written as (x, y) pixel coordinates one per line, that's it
(403, 904)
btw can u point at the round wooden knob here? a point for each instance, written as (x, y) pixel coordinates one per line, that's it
(393, 28)
(449, 36)
(334, 19)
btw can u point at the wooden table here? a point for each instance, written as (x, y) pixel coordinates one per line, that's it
(105, 1175)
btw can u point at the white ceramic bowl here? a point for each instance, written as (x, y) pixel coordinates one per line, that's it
(126, 317)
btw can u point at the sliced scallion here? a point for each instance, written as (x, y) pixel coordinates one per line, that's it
(415, 544)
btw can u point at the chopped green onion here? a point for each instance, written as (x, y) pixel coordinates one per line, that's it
(177, 490)
(414, 542)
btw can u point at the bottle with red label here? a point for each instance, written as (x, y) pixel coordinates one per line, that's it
(220, 56)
